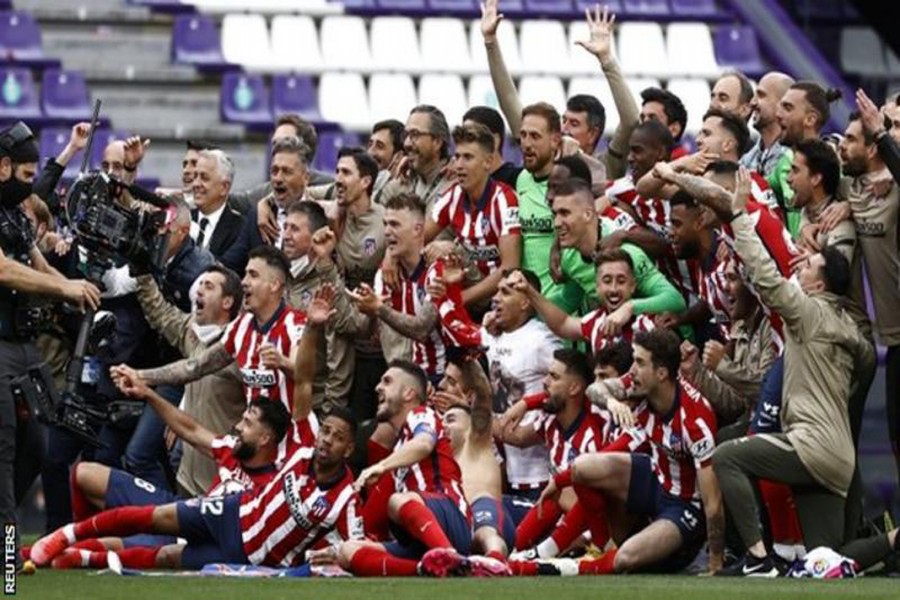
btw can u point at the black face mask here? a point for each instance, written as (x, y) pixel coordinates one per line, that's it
(13, 192)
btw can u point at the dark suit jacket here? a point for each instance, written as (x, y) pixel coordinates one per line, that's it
(226, 232)
(235, 257)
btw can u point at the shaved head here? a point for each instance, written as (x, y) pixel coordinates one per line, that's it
(779, 82)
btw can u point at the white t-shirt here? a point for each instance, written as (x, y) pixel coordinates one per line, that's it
(518, 362)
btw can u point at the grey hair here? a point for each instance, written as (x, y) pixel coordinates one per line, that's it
(224, 164)
(292, 145)
(182, 211)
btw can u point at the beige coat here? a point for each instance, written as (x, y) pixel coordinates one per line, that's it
(822, 348)
(216, 401)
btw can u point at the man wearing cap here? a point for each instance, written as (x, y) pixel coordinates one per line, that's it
(23, 273)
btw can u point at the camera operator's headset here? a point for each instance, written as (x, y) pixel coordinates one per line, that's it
(12, 137)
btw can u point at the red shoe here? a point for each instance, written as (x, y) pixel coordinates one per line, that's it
(441, 562)
(485, 566)
(48, 547)
(70, 558)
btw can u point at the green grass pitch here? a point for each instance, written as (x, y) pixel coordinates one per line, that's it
(85, 585)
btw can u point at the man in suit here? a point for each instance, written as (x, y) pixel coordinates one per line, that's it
(289, 176)
(214, 224)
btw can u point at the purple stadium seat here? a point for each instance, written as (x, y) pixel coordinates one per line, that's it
(64, 96)
(646, 8)
(244, 99)
(512, 152)
(168, 6)
(736, 47)
(695, 9)
(458, 8)
(329, 144)
(405, 7)
(20, 37)
(295, 94)
(357, 6)
(615, 6)
(549, 8)
(513, 9)
(18, 98)
(52, 142)
(196, 41)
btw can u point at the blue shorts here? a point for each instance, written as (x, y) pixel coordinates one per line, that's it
(124, 489)
(454, 524)
(766, 417)
(212, 529)
(489, 513)
(647, 497)
(518, 503)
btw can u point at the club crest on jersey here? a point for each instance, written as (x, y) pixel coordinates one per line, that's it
(369, 246)
(485, 223)
(572, 455)
(420, 294)
(320, 508)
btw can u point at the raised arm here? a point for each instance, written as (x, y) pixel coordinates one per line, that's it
(319, 310)
(504, 86)
(22, 278)
(510, 258)
(482, 409)
(600, 45)
(181, 423)
(164, 317)
(560, 323)
(873, 123)
(184, 371)
(654, 294)
(701, 189)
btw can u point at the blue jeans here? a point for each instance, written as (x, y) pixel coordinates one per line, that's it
(147, 450)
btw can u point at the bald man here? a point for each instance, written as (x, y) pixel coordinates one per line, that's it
(765, 154)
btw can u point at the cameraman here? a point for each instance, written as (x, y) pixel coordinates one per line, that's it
(24, 273)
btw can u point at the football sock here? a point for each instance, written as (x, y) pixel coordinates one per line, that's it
(123, 521)
(594, 510)
(91, 544)
(782, 513)
(567, 531)
(599, 566)
(420, 522)
(533, 527)
(139, 557)
(81, 506)
(372, 562)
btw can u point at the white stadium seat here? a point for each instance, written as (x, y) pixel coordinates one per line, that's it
(245, 41)
(391, 96)
(445, 47)
(509, 45)
(395, 45)
(599, 88)
(481, 92)
(690, 50)
(642, 50)
(447, 93)
(345, 44)
(639, 84)
(694, 94)
(580, 60)
(544, 88)
(343, 99)
(543, 46)
(295, 43)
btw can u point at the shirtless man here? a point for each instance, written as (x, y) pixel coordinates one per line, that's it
(468, 417)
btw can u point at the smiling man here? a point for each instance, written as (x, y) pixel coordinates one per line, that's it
(482, 213)
(214, 225)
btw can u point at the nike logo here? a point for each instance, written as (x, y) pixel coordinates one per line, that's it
(424, 527)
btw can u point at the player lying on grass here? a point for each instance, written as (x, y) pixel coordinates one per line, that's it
(310, 502)
(244, 459)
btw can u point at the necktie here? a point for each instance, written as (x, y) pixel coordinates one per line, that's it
(202, 236)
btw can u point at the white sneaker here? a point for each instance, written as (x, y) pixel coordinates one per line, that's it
(526, 554)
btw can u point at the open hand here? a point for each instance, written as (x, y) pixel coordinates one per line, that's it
(601, 28)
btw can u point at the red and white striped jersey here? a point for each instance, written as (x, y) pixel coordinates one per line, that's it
(408, 299)
(681, 442)
(591, 323)
(589, 433)
(231, 476)
(295, 512)
(653, 213)
(244, 339)
(762, 193)
(437, 473)
(777, 241)
(479, 228)
(708, 273)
